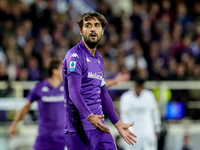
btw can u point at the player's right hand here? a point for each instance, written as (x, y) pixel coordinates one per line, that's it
(12, 130)
(95, 120)
(123, 129)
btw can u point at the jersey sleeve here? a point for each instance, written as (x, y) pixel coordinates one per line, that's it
(74, 63)
(32, 95)
(103, 79)
(155, 112)
(108, 105)
(72, 73)
(74, 83)
(153, 103)
(124, 108)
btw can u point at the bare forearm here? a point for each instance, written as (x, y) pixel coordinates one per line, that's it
(118, 79)
(110, 82)
(22, 113)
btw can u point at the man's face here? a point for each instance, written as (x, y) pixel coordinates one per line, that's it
(92, 32)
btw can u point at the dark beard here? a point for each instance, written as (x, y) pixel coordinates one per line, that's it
(91, 44)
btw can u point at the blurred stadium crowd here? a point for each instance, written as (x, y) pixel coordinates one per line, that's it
(157, 40)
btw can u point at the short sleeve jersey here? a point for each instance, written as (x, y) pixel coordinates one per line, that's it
(51, 107)
(79, 61)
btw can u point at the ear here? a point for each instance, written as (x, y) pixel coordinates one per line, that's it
(81, 32)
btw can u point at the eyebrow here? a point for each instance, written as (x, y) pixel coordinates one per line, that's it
(87, 23)
(91, 23)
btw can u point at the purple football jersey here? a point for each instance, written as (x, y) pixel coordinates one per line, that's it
(79, 60)
(51, 108)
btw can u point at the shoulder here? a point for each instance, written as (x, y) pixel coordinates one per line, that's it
(40, 84)
(100, 57)
(148, 92)
(125, 94)
(35, 90)
(126, 99)
(74, 53)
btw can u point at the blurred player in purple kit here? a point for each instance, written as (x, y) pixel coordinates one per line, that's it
(85, 92)
(49, 95)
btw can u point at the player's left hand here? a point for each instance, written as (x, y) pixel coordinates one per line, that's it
(12, 130)
(123, 129)
(95, 120)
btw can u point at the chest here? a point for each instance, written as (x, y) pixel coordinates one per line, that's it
(139, 103)
(94, 71)
(51, 94)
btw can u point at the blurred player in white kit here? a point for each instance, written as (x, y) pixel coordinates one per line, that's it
(139, 104)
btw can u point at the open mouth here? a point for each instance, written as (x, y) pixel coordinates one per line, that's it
(93, 35)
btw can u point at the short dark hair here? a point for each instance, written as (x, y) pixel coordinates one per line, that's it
(139, 81)
(54, 64)
(91, 15)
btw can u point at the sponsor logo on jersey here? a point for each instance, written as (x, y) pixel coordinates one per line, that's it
(74, 55)
(87, 59)
(96, 75)
(59, 98)
(72, 65)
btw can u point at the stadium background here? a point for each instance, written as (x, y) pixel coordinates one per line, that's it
(155, 40)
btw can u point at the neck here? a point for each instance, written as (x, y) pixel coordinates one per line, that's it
(54, 81)
(91, 50)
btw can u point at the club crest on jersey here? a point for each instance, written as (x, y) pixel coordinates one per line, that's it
(74, 55)
(72, 65)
